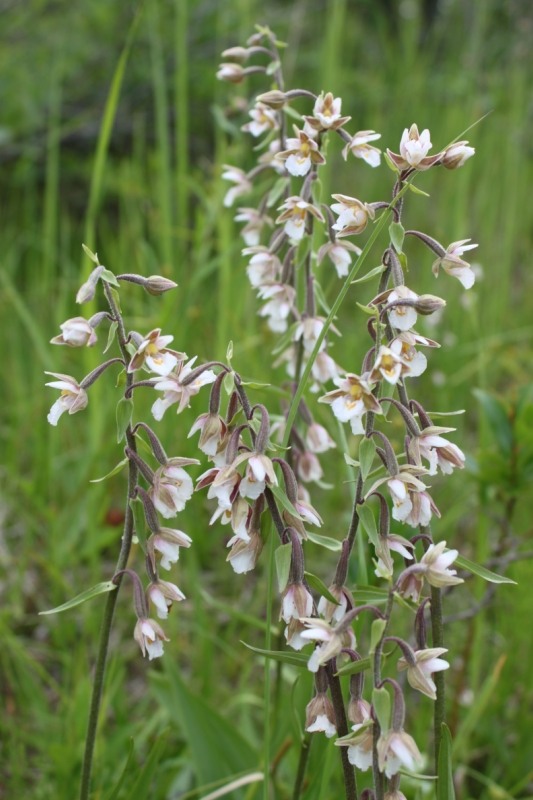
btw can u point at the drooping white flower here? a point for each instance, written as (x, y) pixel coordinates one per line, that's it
(326, 113)
(294, 215)
(338, 253)
(280, 299)
(243, 185)
(436, 561)
(402, 317)
(264, 267)
(172, 487)
(263, 120)
(301, 153)
(72, 399)
(175, 391)
(353, 215)
(320, 716)
(359, 147)
(456, 154)
(76, 332)
(352, 400)
(452, 263)
(167, 542)
(154, 355)
(150, 637)
(397, 749)
(162, 594)
(426, 662)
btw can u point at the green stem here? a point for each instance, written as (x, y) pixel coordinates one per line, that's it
(341, 723)
(437, 628)
(305, 750)
(107, 621)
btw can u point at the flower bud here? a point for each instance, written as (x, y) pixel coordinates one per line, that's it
(238, 53)
(456, 155)
(428, 303)
(233, 73)
(157, 285)
(274, 99)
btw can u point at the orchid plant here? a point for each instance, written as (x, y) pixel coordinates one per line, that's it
(263, 470)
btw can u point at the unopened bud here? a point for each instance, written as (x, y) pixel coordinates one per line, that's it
(157, 285)
(233, 73)
(87, 291)
(274, 99)
(238, 53)
(427, 304)
(456, 155)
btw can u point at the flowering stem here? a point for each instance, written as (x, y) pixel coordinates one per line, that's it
(107, 621)
(437, 629)
(341, 723)
(305, 749)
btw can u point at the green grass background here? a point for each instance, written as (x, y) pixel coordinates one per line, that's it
(113, 131)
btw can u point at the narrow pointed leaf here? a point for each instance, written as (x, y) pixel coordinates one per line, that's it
(368, 521)
(285, 656)
(354, 667)
(397, 234)
(320, 587)
(324, 541)
(367, 451)
(382, 707)
(88, 594)
(376, 632)
(369, 275)
(124, 414)
(114, 471)
(283, 556)
(481, 572)
(445, 790)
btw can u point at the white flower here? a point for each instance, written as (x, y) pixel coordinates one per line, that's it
(280, 300)
(167, 542)
(339, 255)
(436, 561)
(326, 113)
(360, 148)
(263, 118)
(73, 398)
(389, 365)
(437, 450)
(320, 716)
(263, 268)
(76, 332)
(172, 487)
(426, 662)
(295, 215)
(150, 637)
(352, 400)
(243, 555)
(297, 602)
(414, 147)
(255, 221)
(397, 749)
(162, 594)
(402, 317)
(154, 355)
(174, 391)
(333, 639)
(301, 153)
(456, 155)
(353, 215)
(452, 263)
(242, 184)
(359, 744)
(318, 439)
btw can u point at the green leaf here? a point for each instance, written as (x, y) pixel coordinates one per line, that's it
(370, 275)
(109, 277)
(120, 466)
(124, 414)
(376, 632)
(320, 587)
(481, 572)
(354, 667)
(351, 461)
(284, 501)
(416, 190)
(321, 298)
(88, 594)
(445, 790)
(111, 335)
(496, 415)
(90, 253)
(324, 541)
(255, 384)
(284, 656)
(216, 747)
(229, 383)
(369, 310)
(272, 67)
(381, 703)
(397, 235)
(283, 555)
(367, 520)
(143, 784)
(128, 767)
(390, 163)
(139, 520)
(229, 352)
(367, 451)
(276, 191)
(370, 594)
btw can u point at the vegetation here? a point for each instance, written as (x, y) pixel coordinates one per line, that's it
(114, 133)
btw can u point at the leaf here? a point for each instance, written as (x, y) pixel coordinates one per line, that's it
(324, 541)
(445, 789)
(416, 190)
(397, 235)
(111, 335)
(284, 501)
(370, 594)
(216, 747)
(354, 667)
(367, 451)
(321, 298)
(128, 767)
(229, 352)
(351, 461)
(90, 253)
(496, 415)
(272, 67)
(139, 520)
(370, 275)
(320, 587)
(88, 594)
(370, 310)
(381, 703)
(283, 555)
(109, 277)
(367, 520)
(285, 656)
(228, 382)
(481, 572)
(114, 471)
(276, 191)
(376, 632)
(390, 163)
(142, 785)
(124, 414)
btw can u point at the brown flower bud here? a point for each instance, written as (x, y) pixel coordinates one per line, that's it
(427, 304)
(273, 99)
(157, 285)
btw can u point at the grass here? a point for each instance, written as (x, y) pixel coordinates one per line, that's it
(137, 177)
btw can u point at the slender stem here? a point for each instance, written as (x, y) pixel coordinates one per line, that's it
(341, 723)
(378, 776)
(305, 750)
(437, 628)
(109, 610)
